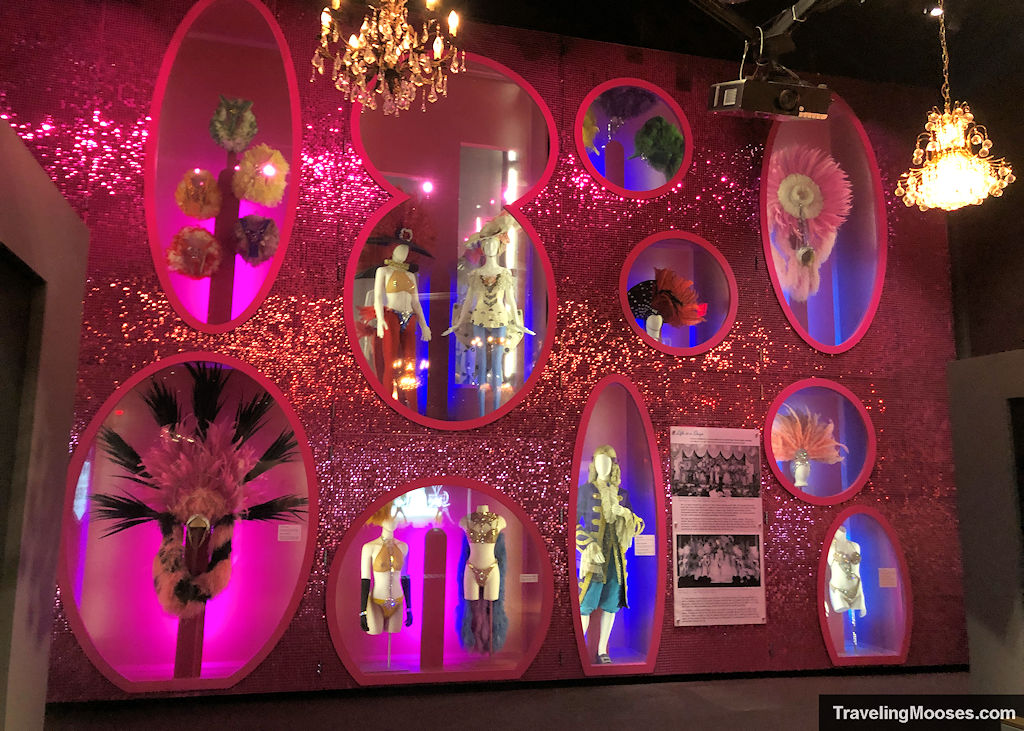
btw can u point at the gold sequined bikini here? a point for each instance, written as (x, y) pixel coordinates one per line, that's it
(482, 528)
(388, 559)
(846, 562)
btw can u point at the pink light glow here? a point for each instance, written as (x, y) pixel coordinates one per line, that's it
(269, 170)
(428, 187)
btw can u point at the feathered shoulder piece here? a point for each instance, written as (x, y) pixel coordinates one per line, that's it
(804, 435)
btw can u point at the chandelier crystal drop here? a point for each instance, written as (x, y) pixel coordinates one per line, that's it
(388, 61)
(953, 166)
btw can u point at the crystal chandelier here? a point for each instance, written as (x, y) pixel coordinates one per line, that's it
(953, 167)
(389, 58)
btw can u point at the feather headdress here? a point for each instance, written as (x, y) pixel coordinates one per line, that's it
(668, 295)
(803, 436)
(200, 471)
(809, 198)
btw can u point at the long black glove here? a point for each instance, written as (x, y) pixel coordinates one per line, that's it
(364, 597)
(408, 601)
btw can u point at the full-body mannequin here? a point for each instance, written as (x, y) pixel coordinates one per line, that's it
(485, 525)
(605, 530)
(396, 304)
(490, 307)
(390, 586)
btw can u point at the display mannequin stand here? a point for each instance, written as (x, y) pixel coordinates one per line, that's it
(435, 547)
(188, 653)
(222, 281)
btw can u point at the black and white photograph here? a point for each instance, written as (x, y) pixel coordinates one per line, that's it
(715, 471)
(717, 560)
(719, 576)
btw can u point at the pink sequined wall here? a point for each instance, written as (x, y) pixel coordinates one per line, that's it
(76, 80)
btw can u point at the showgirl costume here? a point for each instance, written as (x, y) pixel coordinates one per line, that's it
(399, 341)
(603, 583)
(494, 328)
(476, 631)
(388, 559)
(845, 588)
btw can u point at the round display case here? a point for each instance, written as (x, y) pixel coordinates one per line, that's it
(616, 533)
(452, 294)
(442, 579)
(678, 293)
(222, 162)
(633, 138)
(823, 227)
(189, 525)
(820, 441)
(864, 598)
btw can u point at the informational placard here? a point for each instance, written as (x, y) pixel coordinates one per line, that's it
(717, 526)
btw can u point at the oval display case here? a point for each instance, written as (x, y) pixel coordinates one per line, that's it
(633, 138)
(459, 173)
(830, 425)
(678, 293)
(469, 621)
(616, 453)
(222, 162)
(824, 227)
(865, 605)
(161, 480)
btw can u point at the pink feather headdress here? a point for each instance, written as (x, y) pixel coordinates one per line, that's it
(804, 436)
(809, 198)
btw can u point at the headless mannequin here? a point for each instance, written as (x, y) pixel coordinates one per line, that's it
(490, 314)
(485, 525)
(396, 304)
(603, 466)
(390, 585)
(652, 325)
(801, 471)
(844, 586)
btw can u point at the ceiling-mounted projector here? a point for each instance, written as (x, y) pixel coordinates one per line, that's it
(771, 99)
(772, 91)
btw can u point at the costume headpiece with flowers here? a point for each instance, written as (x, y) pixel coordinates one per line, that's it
(668, 295)
(809, 198)
(201, 469)
(801, 436)
(497, 228)
(193, 252)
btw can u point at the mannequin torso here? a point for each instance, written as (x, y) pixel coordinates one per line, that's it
(481, 579)
(383, 560)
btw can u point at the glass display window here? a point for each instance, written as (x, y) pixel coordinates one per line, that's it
(633, 138)
(616, 533)
(864, 598)
(820, 441)
(823, 227)
(452, 294)
(222, 162)
(678, 293)
(442, 579)
(189, 525)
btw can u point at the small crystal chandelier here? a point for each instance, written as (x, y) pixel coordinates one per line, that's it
(388, 57)
(953, 166)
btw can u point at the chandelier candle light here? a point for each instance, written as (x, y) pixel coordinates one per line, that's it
(388, 57)
(953, 167)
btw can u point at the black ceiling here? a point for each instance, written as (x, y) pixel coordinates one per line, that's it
(877, 40)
